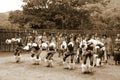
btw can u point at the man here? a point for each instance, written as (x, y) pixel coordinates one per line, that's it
(87, 53)
(81, 48)
(99, 54)
(63, 48)
(44, 49)
(35, 53)
(70, 52)
(18, 50)
(50, 54)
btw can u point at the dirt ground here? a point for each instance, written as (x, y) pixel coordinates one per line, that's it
(9, 70)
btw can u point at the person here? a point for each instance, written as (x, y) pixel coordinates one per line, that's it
(18, 49)
(105, 42)
(51, 52)
(109, 47)
(70, 52)
(99, 54)
(60, 43)
(117, 50)
(44, 49)
(87, 53)
(99, 51)
(81, 46)
(44, 37)
(35, 53)
(63, 48)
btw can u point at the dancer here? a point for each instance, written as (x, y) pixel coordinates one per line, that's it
(70, 52)
(18, 49)
(50, 54)
(87, 53)
(35, 53)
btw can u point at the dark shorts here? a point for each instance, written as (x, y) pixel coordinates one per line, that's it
(44, 49)
(117, 55)
(100, 54)
(70, 53)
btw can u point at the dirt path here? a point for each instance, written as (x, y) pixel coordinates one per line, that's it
(9, 70)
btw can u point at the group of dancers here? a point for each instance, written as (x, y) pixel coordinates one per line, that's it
(71, 48)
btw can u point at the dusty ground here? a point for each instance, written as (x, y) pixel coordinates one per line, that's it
(9, 70)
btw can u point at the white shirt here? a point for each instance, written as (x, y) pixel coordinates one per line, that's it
(64, 44)
(45, 45)
(52, 44)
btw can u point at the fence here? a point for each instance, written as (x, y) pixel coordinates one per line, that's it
(5, 34)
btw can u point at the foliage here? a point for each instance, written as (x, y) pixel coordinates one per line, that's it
(4, 23)
(66, 14)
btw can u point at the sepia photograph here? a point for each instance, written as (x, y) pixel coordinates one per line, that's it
(59, 39)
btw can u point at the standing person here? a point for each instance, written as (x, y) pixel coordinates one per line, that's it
(70, 52)
(117, 50)
(44, 37)
(79, 48)
(29, 37)
(59, 42)
(99, 53)
(109, 47)
(104, 41)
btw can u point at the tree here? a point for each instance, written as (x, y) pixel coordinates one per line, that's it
(4, 23)
(112, 18)
(61, 14)
(17, 17)
(105, 18)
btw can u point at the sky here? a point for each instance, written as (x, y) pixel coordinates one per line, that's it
(10, 5)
